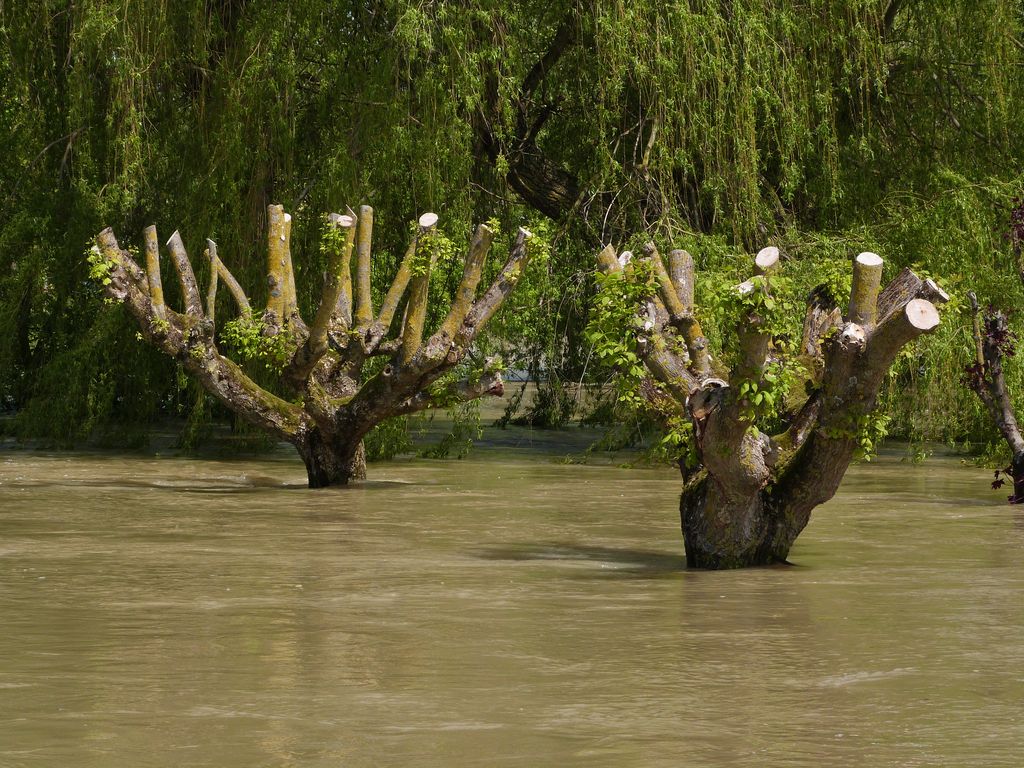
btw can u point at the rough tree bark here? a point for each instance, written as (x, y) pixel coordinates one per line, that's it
(751, 494)
(994, 341)
(332, 405)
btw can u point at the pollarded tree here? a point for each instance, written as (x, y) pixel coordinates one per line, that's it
(336, 397)
(760, 451)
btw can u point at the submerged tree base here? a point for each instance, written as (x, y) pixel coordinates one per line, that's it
(328, 464)
(720, 534)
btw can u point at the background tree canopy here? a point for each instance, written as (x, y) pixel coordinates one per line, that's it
(825, 127)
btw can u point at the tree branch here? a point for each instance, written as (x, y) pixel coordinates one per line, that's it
(471, 274)
(175, 336)
(489, 383)
(187, 278)
(483, 309)
(315, 347)
(364, 298)
(211, 291)
(156, 289)
(244, 308)
(867, 278)
(276, 266)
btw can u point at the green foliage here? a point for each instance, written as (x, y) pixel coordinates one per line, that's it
(249, 341)
(616, 327)
(100, 266)
(332, 238)
(458, 438)
(807, 124)
(868, 429)
(435, 250)
(388, 439)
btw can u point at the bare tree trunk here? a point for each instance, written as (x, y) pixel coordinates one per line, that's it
(994, 341)
(330, 462)
(326, 402)
(753, 492)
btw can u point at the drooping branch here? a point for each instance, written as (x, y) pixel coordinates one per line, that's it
(543, 183)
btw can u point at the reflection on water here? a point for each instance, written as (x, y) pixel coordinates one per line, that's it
(499, 611)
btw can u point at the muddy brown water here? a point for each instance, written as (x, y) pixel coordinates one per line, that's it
(502, 610)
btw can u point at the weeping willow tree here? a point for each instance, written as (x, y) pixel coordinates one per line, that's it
(715, 126)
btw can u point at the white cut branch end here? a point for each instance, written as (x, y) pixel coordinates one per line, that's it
(767, 259)
(922, 314)
(935, 293)
(869, 259)
(853, 334)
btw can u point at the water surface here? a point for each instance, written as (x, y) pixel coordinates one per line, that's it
(503, 610)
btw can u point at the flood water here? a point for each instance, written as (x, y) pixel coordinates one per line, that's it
(502, 610)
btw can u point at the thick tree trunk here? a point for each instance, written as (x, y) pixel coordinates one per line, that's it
(736, 527)
(720, 532)
(331, 462)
